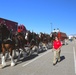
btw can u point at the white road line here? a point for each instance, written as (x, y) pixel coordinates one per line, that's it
(74, 58)
(36, 58)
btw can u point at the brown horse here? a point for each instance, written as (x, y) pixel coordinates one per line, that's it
(6, 44)
(20, 42)
(32, 41)
(43, 41)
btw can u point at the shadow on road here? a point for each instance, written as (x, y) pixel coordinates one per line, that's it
(62, 58)
(26, 59)
(29, 58)
(42, 51)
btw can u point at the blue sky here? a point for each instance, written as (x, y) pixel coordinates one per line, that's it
(41, 15)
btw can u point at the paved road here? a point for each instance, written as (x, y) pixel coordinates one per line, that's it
(42, 64)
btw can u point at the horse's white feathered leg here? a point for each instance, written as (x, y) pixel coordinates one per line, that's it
(14, 54)
(12, 61)
(24, 54)
(18, 56)
(3, 61)
(6, 56)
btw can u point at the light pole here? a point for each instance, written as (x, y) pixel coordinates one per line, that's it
(51, 27)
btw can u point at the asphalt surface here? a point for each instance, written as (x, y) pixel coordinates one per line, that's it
(43, 63)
